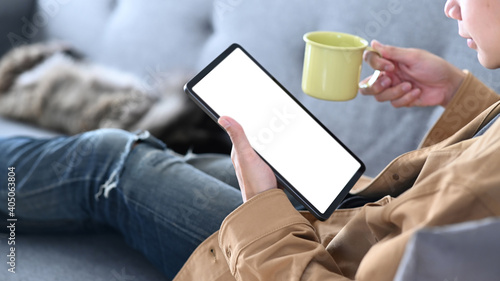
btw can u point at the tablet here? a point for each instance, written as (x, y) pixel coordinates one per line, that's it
(307, 159)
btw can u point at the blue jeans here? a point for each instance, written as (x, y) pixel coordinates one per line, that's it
(162, 203)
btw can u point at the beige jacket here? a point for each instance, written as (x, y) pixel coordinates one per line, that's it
(452, 178)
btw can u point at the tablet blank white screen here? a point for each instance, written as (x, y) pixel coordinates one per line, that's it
(292, 142)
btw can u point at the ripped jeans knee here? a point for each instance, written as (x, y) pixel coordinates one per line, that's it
(58, 179)
(108, 140)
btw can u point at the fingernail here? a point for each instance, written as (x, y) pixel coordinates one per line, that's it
(389, 67)
(224, 123)
(415, 92)
(385, 82)
(406, 87)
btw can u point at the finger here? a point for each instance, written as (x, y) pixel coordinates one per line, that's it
(236, 165)
(394, 93)
(382, 83)
(253, 174)
(242, 153)
(378, 61)
(412, 98)
(417, 93)
(241, 145)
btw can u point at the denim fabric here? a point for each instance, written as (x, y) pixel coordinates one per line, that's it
(164, 204)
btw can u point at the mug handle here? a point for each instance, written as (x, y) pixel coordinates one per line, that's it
(375, 74)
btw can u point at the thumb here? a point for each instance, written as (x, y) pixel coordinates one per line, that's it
(236, 133)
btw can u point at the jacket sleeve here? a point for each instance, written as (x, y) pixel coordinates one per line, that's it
(267, 239)
(472, 98)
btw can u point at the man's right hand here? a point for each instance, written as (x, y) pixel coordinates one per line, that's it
(411, 77)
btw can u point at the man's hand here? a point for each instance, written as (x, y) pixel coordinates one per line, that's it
(254, 175)
(412, 77)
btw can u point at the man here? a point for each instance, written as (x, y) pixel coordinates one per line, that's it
(440, 184)
(169, 206)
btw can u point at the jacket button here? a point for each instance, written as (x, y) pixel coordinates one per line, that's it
(395, 177)
(228, 252)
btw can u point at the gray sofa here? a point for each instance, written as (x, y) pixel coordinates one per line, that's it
(146, 38)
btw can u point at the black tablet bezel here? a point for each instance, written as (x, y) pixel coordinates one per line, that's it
(188, 88)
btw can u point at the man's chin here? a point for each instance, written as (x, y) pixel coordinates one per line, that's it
(488, 63)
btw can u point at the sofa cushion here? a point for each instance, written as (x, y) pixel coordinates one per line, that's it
(11, 128)
(78, 257)
(145, 39)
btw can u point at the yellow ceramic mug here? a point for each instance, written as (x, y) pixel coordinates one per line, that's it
(332, 65)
